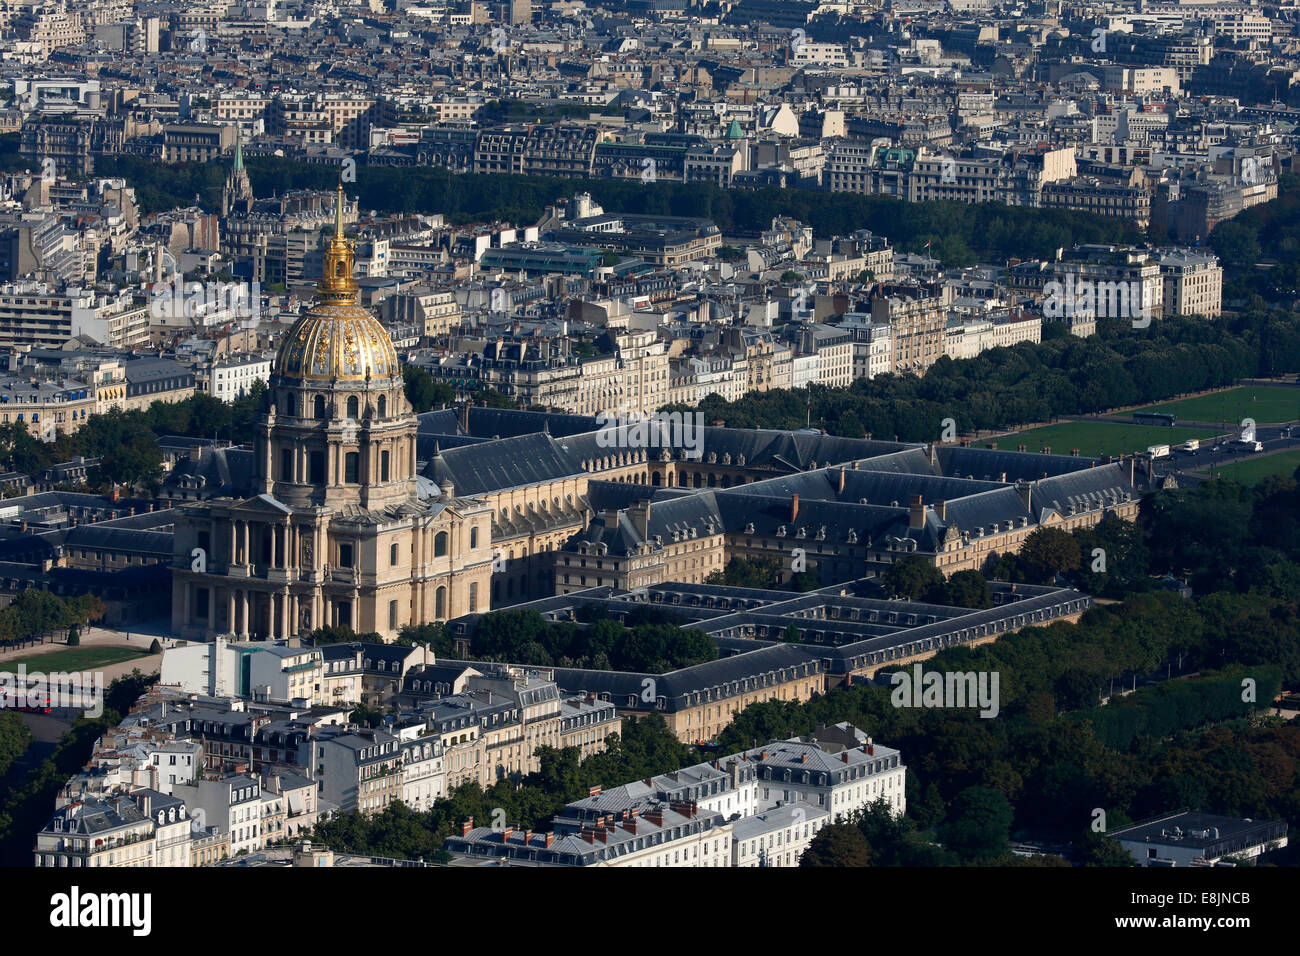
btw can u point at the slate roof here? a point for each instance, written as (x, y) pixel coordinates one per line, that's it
(510, 463)
(227, 472)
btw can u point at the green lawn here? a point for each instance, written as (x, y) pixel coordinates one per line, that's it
(75, 659)
(1267, 404)
(1257, 467)
(1094, 439)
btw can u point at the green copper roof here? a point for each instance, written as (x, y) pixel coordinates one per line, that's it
(734, 131)
(239, 154)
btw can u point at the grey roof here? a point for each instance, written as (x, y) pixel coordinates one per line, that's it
(510, 463)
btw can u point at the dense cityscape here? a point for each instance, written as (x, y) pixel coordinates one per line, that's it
(652, 433)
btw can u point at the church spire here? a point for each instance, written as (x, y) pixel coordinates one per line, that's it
(337, 286)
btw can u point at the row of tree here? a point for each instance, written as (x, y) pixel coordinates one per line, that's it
(34, 614)
(127, 441)
(600, 643)
(958, 234)
(1032, 382)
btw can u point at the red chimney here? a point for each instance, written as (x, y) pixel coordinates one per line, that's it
(594, 791)
(466, 827)
(550, 838)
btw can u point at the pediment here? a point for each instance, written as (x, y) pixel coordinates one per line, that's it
(262, 505)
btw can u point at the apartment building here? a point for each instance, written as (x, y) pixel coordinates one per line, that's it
(916, 330)
(356, 769)
(1193, 283)
(233, 804)
(108, 832)
(757, 808)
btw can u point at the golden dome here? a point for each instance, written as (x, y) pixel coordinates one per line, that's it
(336, 339)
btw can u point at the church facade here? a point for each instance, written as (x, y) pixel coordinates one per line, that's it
(336, 528)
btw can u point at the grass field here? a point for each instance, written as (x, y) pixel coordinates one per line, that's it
(1266, 404)
(75, 659)
(1094, 439)
(1255, 469)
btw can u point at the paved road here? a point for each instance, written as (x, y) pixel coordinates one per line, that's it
(1194, 467)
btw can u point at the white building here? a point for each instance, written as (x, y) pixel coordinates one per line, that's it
(233, 377)
(1193, 283)
(1199, 839)
(776, 837)
(258, 670)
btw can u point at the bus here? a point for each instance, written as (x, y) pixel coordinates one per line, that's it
(1153, 418)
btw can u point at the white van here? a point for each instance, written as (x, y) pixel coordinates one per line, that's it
(1192, 444)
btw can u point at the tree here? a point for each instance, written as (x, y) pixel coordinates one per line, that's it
(1094, 849)
(979, 824)
(969, 589)
(1047, 552)
(840, 844)
(422, 391)
(155, 647)
(913, 577)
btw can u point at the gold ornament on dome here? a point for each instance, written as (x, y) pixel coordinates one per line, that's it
(336, 339)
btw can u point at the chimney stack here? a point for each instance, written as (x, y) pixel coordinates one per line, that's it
(941, 509)
(467, 826)
(916, 512)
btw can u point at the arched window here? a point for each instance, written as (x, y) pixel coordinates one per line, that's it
(440, 544)
(352, 406)
(382, 405)
(318, 407)
(440, 603)
(291, 405)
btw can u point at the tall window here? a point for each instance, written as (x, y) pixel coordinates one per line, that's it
(351, 467)
(352, 406)
(318, 406)
(383, 466)
(382, 406)
(440, 544)
(318, 468)
(345, 555)
(392, 615)
(473, 596)
(473, 537)
(286, 464)
(291, 405)
(392, 554)
(440, 603)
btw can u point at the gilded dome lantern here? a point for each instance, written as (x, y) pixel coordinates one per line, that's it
(337, 340)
